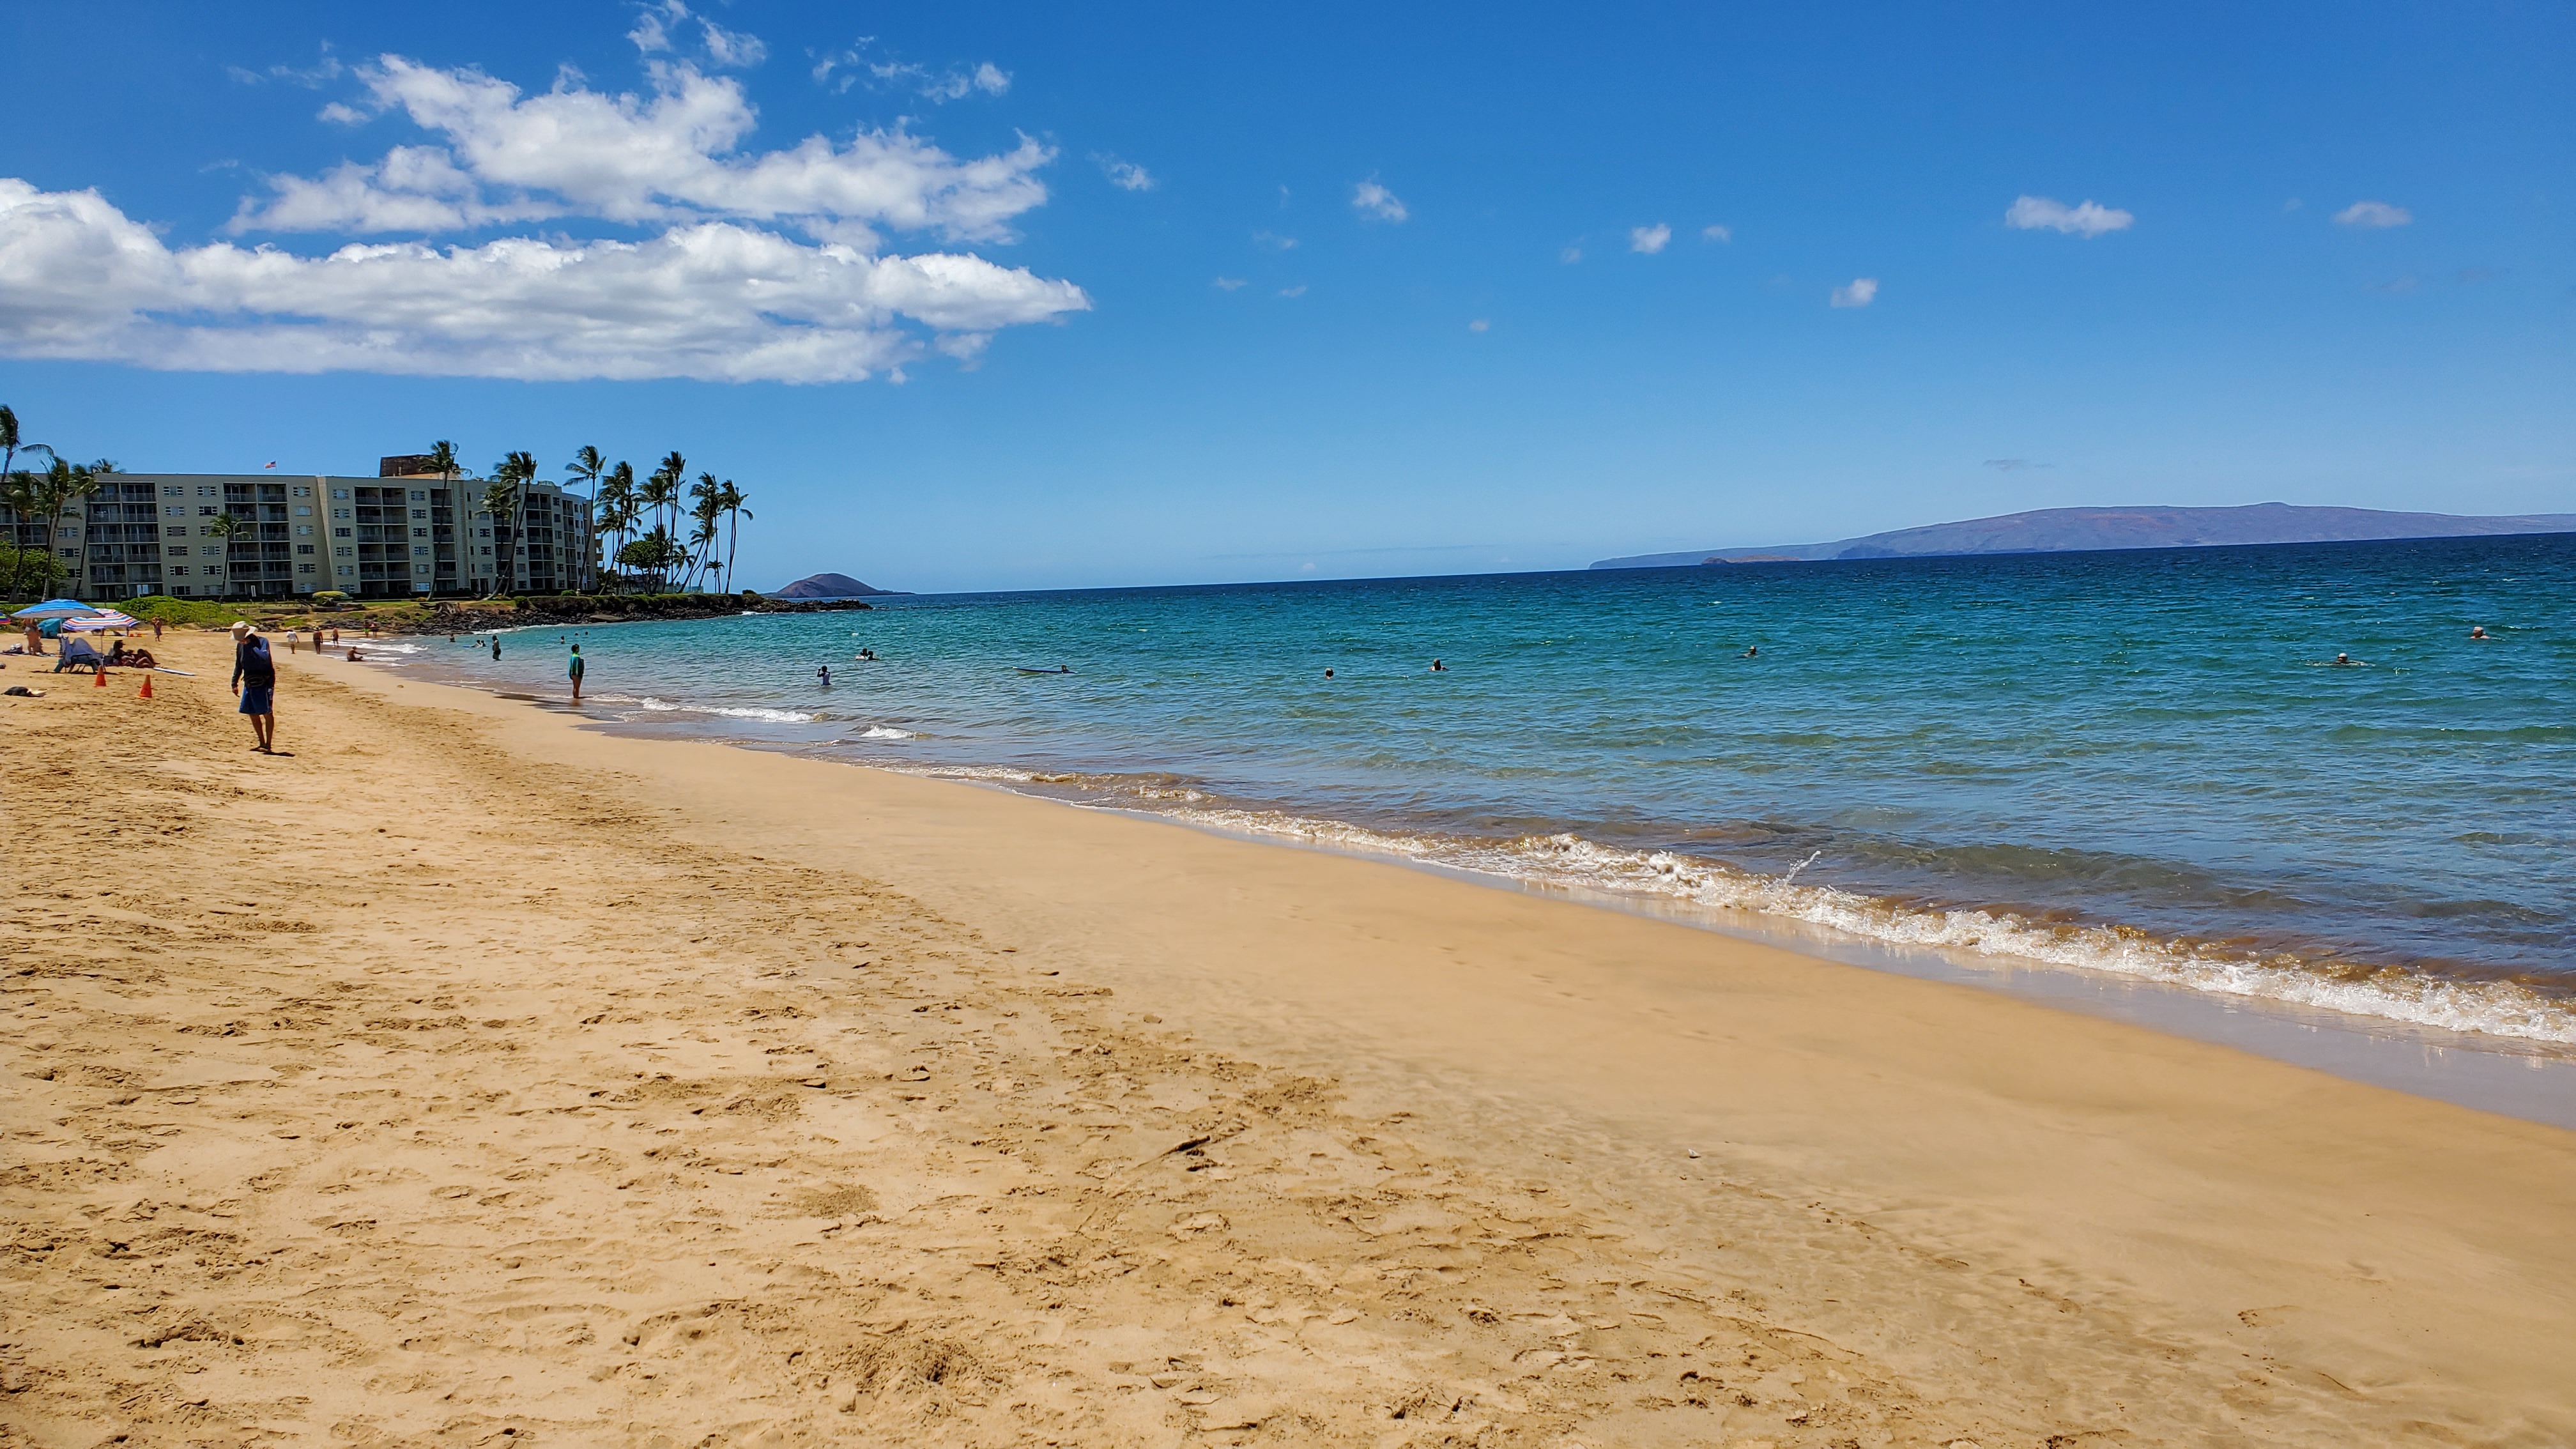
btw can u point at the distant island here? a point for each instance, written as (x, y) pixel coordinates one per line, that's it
(2070, 530)
(835, 586)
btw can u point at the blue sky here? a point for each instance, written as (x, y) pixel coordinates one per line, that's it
(1079, 296)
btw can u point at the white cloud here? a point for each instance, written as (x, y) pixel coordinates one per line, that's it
(1480, 325)
(715, 300)
(1717, 233)
(1298, 290)
(2374, 214)
(1649, 239)
(328, 68)
(1231, 284)
(955, 83)
(1376, 203)
(1570, 255)
(667, 157)
(659, 23)
(339, 114)
(1861, 292)
(2087, 220)
(1125, 175)
(1273, 239)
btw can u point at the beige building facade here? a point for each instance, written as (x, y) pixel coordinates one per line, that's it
(382, 537)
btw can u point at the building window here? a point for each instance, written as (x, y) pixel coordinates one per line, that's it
(421, 549)
(304, 548)
(345, 571)
(303, 493)
(419, 512)
(178, 550)
(341, 552)
(339, 492)
(178, 510)
(205, 512)
(206, 493)
(180, 572)
(304, 568)
(174, 492)
(303, 512)
(339, 533)
(419, 496)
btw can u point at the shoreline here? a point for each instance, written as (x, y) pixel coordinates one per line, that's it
(2527, 1070)
(1007, 1122)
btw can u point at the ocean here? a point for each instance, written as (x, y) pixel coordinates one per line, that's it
(2141, 762)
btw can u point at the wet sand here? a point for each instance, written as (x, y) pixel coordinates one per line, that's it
(470, 1077)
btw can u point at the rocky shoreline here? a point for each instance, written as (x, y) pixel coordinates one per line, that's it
(471, 617)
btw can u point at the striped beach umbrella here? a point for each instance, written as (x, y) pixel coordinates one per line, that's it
(100, 621)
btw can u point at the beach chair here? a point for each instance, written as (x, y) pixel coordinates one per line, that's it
(78, 654)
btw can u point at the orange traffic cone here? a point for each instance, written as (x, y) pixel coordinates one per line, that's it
(147, 688)
(98, 678)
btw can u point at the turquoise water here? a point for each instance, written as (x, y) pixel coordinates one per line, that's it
(2136, 761)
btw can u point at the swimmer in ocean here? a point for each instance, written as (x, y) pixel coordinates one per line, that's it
(1439, 668)
(2479, 631)
(2342, 661)
(1328, 674)
(1754, 652)
(824, 674)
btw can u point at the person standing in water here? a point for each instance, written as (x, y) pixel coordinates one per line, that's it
(576, 674)
(824, 674)
(496, 646)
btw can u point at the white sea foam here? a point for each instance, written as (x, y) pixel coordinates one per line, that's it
(2495, 1008)
(773, 716)
(884, 732)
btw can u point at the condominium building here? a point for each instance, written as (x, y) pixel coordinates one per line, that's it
(403, 533)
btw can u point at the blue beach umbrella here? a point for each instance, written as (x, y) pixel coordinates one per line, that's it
(53, 609)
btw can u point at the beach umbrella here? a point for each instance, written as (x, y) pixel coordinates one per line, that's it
(103, 619)
(52, 609)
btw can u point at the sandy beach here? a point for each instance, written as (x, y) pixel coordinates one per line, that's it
(468, 1077)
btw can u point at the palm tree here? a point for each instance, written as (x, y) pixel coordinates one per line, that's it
(703, 509)
(222, 528)
(733, 499)
(588, 463)
(58, 489)
(31, 571)
(615, 513)
(516, 470)
(9, 443)
(442, 456)
(501, 500)
(661, 492)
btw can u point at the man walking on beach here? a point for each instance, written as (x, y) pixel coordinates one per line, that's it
(255, 680)
(576, 674)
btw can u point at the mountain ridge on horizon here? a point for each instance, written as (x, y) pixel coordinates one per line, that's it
(2075, 530)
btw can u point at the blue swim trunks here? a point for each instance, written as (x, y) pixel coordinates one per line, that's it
(255, 699)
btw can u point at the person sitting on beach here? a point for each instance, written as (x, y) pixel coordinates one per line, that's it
(124, 658)
(35, 639)
(356, 654)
